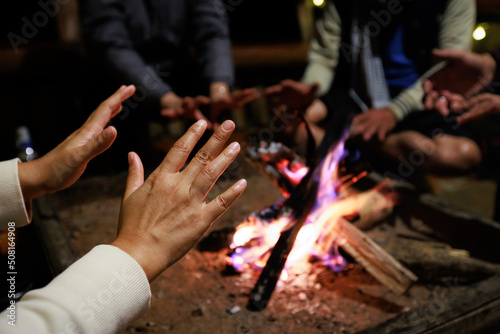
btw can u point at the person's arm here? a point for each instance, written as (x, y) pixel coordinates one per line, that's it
(105, 31)
(100, 293)
(61, 167)
(161, 219)
(324, 51)
(13, 207)
(455, 33)
(212, 44)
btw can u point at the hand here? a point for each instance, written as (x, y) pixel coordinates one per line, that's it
(373, 122)
(479, 106)
(466, 74)
(222, 101)
(294, 95)
(62, 166)
(162, 218)
(174, 106)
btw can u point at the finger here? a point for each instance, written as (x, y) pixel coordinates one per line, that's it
(172, 112)
(99, 143)
(222, 202)
(111, 106)
(474, 113)
(473, 101)
(178, 154)
(382, 132)
(441, 105)
(430, 98)
(428, 86)
(198, 115)
(273, 91)
(448, 54)
(135, 177)
(209, 175)
(368, 132)
(201, 100)
(210, 150)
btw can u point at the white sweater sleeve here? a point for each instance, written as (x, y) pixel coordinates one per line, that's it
(100, 293)
(12, 206)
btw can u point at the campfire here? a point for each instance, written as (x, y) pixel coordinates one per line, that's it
(309, 222)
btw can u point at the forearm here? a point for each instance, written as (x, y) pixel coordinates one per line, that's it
(100, 293)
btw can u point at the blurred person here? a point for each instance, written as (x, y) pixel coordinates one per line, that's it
(160, 220)
(458, 86)
(371, 57)
(148, 44)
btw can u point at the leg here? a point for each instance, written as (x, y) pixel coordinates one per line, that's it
(443, 154)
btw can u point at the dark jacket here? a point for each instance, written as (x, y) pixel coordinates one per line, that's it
(143, 42)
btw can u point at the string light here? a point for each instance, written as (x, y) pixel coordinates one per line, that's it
(318, 3)
(479, 33)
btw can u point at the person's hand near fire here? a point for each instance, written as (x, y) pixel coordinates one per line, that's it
(220, 99)
(62, 166)
(163, 217)
(292, 95)
(455, 87)
(160, 220)
(373, 123)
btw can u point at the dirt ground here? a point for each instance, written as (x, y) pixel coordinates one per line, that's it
(197, 296)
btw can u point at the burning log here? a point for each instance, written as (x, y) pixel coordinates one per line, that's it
(370, 206)
(474, 310)
(380, 264)
(264, 288)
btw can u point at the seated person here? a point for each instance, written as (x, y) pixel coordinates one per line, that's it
(147, 44)
(373, 56)
(160, 220)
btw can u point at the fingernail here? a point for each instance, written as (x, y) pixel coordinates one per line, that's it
(201, 123)
(130, 157)
(234, 147)
(241, 184)
(227, 125)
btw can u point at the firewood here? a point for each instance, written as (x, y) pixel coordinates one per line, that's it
(373, 258)
(433, 261)
(461, 230)
(475, 309)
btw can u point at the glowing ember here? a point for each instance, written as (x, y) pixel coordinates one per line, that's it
(255, 238)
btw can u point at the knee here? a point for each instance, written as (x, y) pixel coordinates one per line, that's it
(462, 156)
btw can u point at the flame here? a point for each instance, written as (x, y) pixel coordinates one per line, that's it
(255, 238)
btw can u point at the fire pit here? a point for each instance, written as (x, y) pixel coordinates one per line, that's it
(453, 254)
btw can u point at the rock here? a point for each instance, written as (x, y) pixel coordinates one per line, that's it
(233, 310)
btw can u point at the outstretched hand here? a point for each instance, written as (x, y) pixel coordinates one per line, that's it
(479, 106)
(62, 166)
(466, 74)
(292, 94)
(162, 218)
(237, 99)
(174, 106)
(373, 122)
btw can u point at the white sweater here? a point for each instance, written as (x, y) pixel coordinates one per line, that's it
(100, 293)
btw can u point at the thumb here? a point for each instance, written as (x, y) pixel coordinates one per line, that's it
(99, 143)
(135, 176)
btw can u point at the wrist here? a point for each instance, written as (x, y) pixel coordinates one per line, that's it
(219, 90)
(490, 63)
(31, 179)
